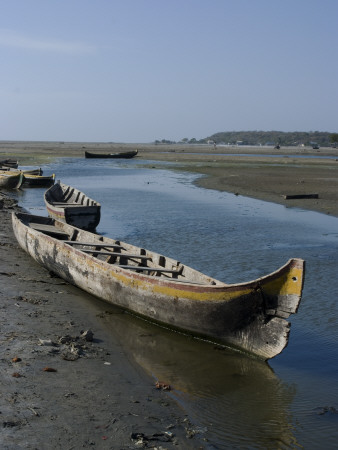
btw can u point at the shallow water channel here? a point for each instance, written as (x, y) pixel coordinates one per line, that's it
(234, 400)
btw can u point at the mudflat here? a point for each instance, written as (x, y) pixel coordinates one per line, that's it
(242, 170)
(66, 381)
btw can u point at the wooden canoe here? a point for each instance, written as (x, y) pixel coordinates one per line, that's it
(24, 171)
(125, 155)
(38, 180)
(38, 171)
(9, 163)
(9, 180)
(250, 316)
(72, 206)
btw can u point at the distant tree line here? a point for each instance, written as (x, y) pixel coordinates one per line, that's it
(322, 138)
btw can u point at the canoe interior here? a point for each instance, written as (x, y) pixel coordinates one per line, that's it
(63, 195)
(121, 254)
(72, 206)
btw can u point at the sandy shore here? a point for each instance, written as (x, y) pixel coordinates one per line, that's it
(223, 168)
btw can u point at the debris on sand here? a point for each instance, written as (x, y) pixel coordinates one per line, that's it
(71, 352)
(88, 335)
(47, 342)
(16, 359)
(143, 440)
(163, 386)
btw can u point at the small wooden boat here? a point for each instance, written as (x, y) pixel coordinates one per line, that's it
(24, 171)
(9, 180)
(38, 171)
(72, 206)
(9, 163)
(38, 180)
(126, 155)
(250, 316)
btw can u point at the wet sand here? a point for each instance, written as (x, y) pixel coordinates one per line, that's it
(93, 394)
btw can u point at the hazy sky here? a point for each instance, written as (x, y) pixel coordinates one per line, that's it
(140, 70)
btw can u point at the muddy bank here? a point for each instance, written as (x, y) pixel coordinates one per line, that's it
(272, 183)
(292, 170)
(66, 381)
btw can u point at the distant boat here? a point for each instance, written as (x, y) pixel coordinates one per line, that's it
(38, 180)
(126, 155)
(250, 316)
(72, 206)
(9, 163)
(9, 180)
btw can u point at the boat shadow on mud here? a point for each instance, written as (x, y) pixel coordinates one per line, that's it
(215, 385)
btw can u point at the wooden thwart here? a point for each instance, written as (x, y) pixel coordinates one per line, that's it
(296, 196)
(151, 269)
(127, 255)
(93, 244)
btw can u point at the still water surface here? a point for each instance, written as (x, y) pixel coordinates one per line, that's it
(235, 401)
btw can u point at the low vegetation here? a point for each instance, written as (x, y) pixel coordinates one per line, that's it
(321, 138)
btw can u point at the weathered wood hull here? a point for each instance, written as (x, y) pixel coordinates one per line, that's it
(124, 155)
(10, 180)
(72, 206)
(250, 316)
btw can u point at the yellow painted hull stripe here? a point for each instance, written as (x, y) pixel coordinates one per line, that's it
(287, 283)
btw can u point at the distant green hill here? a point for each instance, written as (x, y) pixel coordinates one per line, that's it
(270, 137)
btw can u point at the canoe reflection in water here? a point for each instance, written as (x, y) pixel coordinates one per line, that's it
(216, 386)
